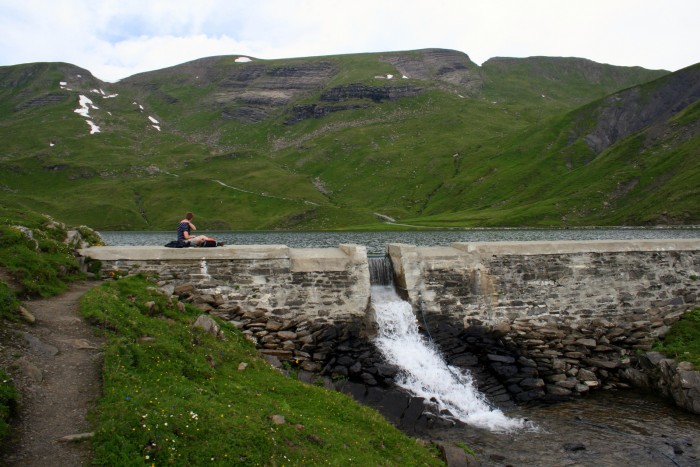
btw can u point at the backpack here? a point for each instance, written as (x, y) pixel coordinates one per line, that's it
(177, 244)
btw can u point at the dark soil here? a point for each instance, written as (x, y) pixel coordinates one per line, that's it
(56, 366)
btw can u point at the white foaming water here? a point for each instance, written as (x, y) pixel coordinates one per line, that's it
(424, 372)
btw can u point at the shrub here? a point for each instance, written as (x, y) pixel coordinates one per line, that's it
(8, 403)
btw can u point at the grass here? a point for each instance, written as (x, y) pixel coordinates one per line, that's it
(174, 395)
(34, 259)
(682, 342)
(8, 404)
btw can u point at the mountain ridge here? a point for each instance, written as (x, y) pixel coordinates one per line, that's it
(328, 142)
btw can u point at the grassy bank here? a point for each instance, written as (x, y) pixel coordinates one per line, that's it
(174, 394)
(35, 259)
(682, 342)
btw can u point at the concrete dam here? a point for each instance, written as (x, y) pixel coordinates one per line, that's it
(547, 320)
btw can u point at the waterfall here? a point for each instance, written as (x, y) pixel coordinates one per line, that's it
(424, 372)
(380, 270)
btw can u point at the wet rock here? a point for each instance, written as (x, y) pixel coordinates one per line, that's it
(185, 290)
(532, 383)
(368, 379)
(273, 326)
(454, 456)
(386, 370)
(500, 358)
(591, 343)
(586, 375)
(558, 391)
(574, 447)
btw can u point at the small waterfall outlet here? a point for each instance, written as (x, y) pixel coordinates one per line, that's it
(424, 372)
(380, 270)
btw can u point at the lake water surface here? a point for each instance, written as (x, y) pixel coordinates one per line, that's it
(376, 241)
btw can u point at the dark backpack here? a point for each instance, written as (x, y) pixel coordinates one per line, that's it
(177, 244)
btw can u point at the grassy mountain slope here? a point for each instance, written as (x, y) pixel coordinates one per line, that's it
(424, 137)
(559, 173)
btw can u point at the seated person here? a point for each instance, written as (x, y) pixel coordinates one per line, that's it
(183, 232)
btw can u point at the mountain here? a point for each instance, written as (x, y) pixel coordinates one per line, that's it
(423, 137)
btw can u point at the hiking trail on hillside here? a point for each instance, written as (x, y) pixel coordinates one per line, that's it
(56, 365)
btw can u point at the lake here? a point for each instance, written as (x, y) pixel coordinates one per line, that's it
(376, 241)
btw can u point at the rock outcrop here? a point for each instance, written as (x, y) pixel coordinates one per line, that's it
(677, 381)
(651, 105)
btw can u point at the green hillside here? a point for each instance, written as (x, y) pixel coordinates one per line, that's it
(425, 137)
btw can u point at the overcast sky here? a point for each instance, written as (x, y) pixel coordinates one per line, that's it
(116, 39)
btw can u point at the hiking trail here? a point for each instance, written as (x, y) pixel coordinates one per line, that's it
(56, 365)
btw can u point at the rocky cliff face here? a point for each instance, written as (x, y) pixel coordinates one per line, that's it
(626, 112)
(254, 90)
(449, 67)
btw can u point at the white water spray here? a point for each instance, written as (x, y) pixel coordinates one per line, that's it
(424, 373)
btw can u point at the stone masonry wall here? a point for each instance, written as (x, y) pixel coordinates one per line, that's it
(328, 282)
(550, 320)
(553, 320)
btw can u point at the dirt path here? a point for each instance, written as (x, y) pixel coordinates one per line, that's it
(56, 364)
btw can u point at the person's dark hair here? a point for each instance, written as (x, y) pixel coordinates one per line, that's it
(189, 216)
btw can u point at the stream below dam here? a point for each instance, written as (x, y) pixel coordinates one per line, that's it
(602, 429)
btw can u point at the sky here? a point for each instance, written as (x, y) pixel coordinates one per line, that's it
(114, 39)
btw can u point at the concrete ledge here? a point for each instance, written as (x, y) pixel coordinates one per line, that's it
(576, 246)
(301, 259)
(145, 253)
(318, 259)
(352, 254)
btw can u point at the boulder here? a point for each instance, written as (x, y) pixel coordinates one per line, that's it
(207, 323)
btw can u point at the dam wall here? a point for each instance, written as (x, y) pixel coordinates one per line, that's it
(550, 319)
(556, 319)
(287, 282)
(496, 284)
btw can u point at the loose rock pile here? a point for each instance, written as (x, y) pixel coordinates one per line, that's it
(338, 355)
(335, 348)
(675, 380)
(520, 361)
(551, 361)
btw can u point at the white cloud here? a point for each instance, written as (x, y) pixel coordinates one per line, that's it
(117, 38)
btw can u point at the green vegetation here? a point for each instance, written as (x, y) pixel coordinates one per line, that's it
(497, 145)
(8, 404)
(682, 342)
(173, 394)
(34, 258)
